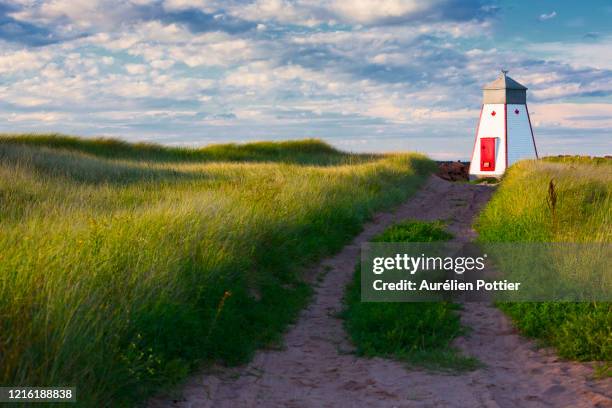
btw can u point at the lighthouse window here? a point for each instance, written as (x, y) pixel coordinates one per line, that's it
(516, 111)
(493, 113)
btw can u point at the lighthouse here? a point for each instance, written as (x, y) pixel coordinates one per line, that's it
(504, 134)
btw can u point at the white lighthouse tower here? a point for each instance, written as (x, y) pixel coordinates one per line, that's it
(504, 134)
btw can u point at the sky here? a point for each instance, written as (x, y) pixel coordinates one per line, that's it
(364, 75)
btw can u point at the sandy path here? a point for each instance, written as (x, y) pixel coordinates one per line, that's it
(316, 369)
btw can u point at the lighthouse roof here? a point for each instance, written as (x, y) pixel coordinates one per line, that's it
(503, 81)
(504, 90)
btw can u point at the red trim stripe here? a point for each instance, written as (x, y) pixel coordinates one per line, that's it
(531, 129)
(506, 133)
(476, 139)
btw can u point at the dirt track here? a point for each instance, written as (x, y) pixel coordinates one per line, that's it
(316, 367)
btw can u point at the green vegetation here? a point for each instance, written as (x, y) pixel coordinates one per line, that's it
(309, 151)
(414, 231)
(579, 160)
(418, 333)
(576, 207)
(123, 267)
(485, 180)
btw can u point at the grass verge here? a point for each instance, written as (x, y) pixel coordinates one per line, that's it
(522, 210)
(417, 333)
(123, 267)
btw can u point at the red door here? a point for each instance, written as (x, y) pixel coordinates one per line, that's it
(487, 154)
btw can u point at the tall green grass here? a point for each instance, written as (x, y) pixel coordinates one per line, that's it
(308, 151)
(123, 267)
(522, 211)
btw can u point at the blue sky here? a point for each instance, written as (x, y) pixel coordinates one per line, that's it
(365, 75)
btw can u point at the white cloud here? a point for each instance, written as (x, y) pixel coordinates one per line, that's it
(374, 39)
(255, 75)
(387, 110)
(263, 78)
(298, 12)
(166, 44)
(445, 115)
(162, 63)
(540, 78)
(549, 16)
(187, 4)
(572, 115)
(549, 90)
(78, 15)
(29, 101)
(35, 117)
(126, 115)
(314, 12)
(578, 54)
(23, 60)
(136, 69)
(211, 49)
(369, 11)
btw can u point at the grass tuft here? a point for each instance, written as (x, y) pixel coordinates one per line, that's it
(420, 334)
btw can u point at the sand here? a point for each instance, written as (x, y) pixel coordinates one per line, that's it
(316, 367)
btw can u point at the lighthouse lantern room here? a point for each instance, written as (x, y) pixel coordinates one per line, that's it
(504, 134)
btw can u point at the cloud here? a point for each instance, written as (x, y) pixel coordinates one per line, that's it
(549, 16)
(46, 117)
(23, 32)
(211, 50)
(164, 45)
(78, 16)
(28, 101)
(207, 5)
(299, 12)
(136, 69)
(573, 115)
(48, 22)
(22, 61)
(396, 11)
(593, 54)
(199, 21)
(370, 12)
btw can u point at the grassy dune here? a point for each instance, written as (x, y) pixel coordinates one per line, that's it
(123, 266)
(521, 211)
(308, 151)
